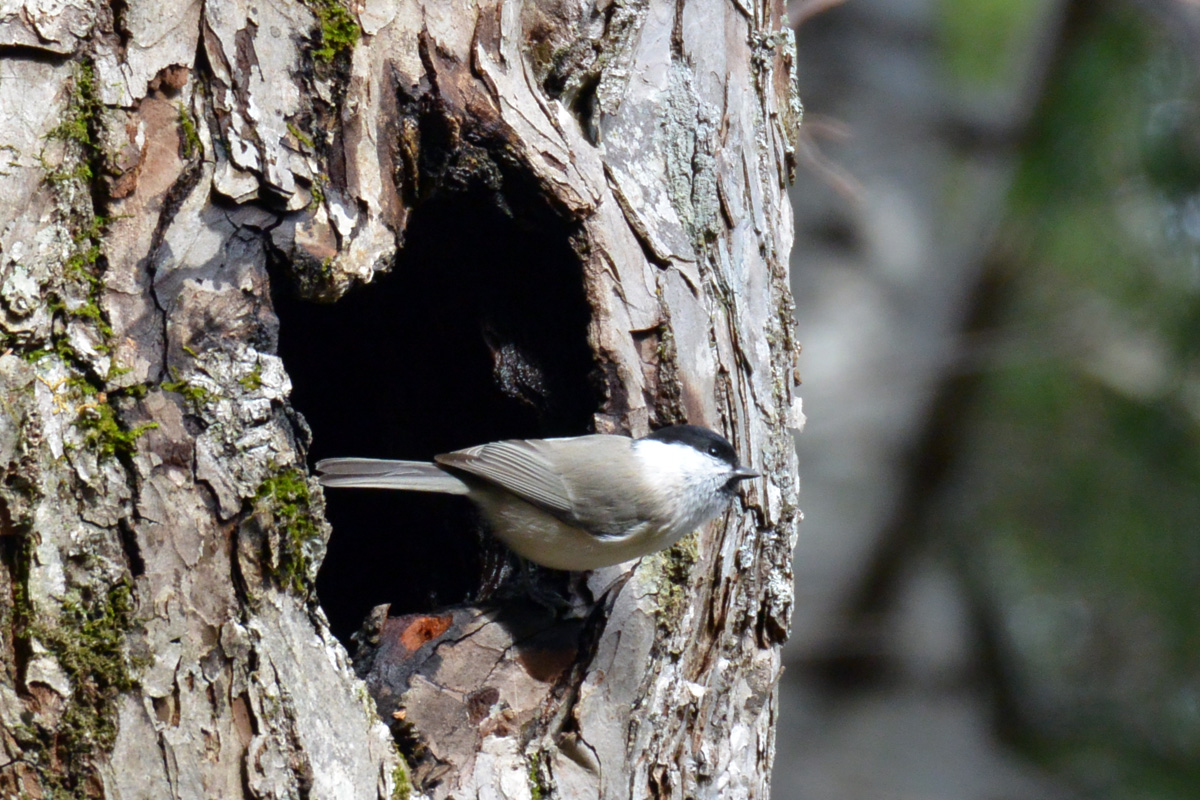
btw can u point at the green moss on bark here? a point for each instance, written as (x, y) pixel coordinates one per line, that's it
(88, 642)
(286, 500)
(339, 31)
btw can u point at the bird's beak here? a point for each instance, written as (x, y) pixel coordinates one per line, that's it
(742, 473)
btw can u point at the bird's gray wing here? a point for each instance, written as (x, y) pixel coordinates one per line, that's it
(518, 466)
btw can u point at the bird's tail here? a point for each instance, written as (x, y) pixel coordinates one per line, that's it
(381, 473)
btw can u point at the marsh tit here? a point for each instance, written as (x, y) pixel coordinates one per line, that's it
(578, 503)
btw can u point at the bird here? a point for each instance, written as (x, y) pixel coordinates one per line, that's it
(577, 503)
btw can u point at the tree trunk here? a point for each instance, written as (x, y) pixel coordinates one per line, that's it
(161, 534)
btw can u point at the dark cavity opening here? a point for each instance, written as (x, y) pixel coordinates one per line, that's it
(478, 333)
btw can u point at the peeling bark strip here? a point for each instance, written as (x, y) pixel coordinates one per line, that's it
(158, 532)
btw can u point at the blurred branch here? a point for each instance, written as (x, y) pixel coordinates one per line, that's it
(988, 126)
(810, 156)
(941, 440)
(801, 11)
(1180, 18)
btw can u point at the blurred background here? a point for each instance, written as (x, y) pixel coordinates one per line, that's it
(997, 279)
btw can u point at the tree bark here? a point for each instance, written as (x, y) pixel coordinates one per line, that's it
(161, 533)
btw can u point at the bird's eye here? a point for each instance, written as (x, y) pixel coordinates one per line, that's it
(713, 450)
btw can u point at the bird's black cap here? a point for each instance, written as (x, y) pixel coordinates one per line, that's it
(702, 439)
